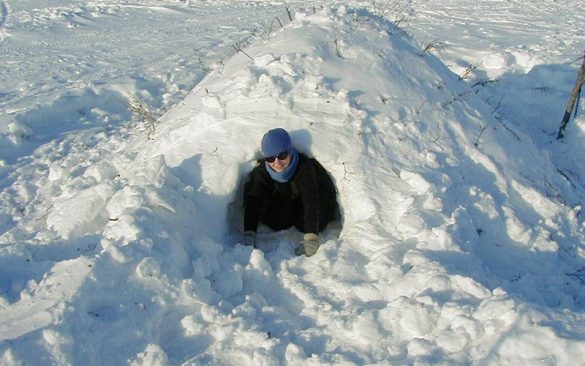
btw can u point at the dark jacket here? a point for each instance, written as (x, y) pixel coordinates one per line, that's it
(307, 201)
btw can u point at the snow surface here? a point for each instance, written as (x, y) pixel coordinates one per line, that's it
(462, 239)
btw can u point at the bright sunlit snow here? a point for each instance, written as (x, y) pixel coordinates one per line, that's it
(462, 240)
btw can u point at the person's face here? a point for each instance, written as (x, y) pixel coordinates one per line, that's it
(278, 165)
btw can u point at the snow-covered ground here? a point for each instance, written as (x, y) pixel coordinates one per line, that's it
(462, 239)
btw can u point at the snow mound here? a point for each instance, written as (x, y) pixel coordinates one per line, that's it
(451, 251)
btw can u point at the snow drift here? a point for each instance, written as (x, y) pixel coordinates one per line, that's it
(451, 252)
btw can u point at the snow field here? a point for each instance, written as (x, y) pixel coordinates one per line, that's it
(448, 251)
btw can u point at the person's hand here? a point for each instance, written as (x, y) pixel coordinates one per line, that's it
(309, 245)
(249, 238)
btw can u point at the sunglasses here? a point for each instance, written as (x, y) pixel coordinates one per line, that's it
(280, 156)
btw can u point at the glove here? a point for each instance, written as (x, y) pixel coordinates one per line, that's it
(249, 238)
(309, 245)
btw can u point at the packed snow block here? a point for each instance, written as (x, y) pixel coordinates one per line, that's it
(127, 198)
(152, 355)
(19, 132)
(101, 171)
(81, 213)
(128, 206)
(408, 319)
(151, 171)
(148, 268)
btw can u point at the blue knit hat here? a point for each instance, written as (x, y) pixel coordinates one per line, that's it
(275, 141)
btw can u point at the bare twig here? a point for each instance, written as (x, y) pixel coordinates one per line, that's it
(457, 98)
(467, 72)
(483, 128)
(509, 129)
(337, 48)
(484, 82)
(496, 108)
(579, 275)
(431, 46)
(420, 107)
(384, 8)
(556, 194)
(572, 100)
(238, 48)
(219, 66)
(203, 66)
(401, 19)
(269, 31)
(567, 177)
(543, 88)
(346, 172)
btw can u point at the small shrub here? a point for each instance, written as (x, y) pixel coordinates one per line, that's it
(141, 113)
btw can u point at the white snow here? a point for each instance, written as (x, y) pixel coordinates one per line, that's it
(462, 238)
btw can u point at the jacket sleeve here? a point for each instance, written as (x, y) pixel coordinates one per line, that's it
(254, 194)
(306, 181)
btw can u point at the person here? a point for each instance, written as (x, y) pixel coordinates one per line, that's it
(288, 188)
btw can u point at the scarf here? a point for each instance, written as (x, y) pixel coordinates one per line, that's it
(288, 172)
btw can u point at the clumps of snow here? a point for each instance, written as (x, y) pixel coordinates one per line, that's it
(82, 213)
(152, 355)
(19, 132)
